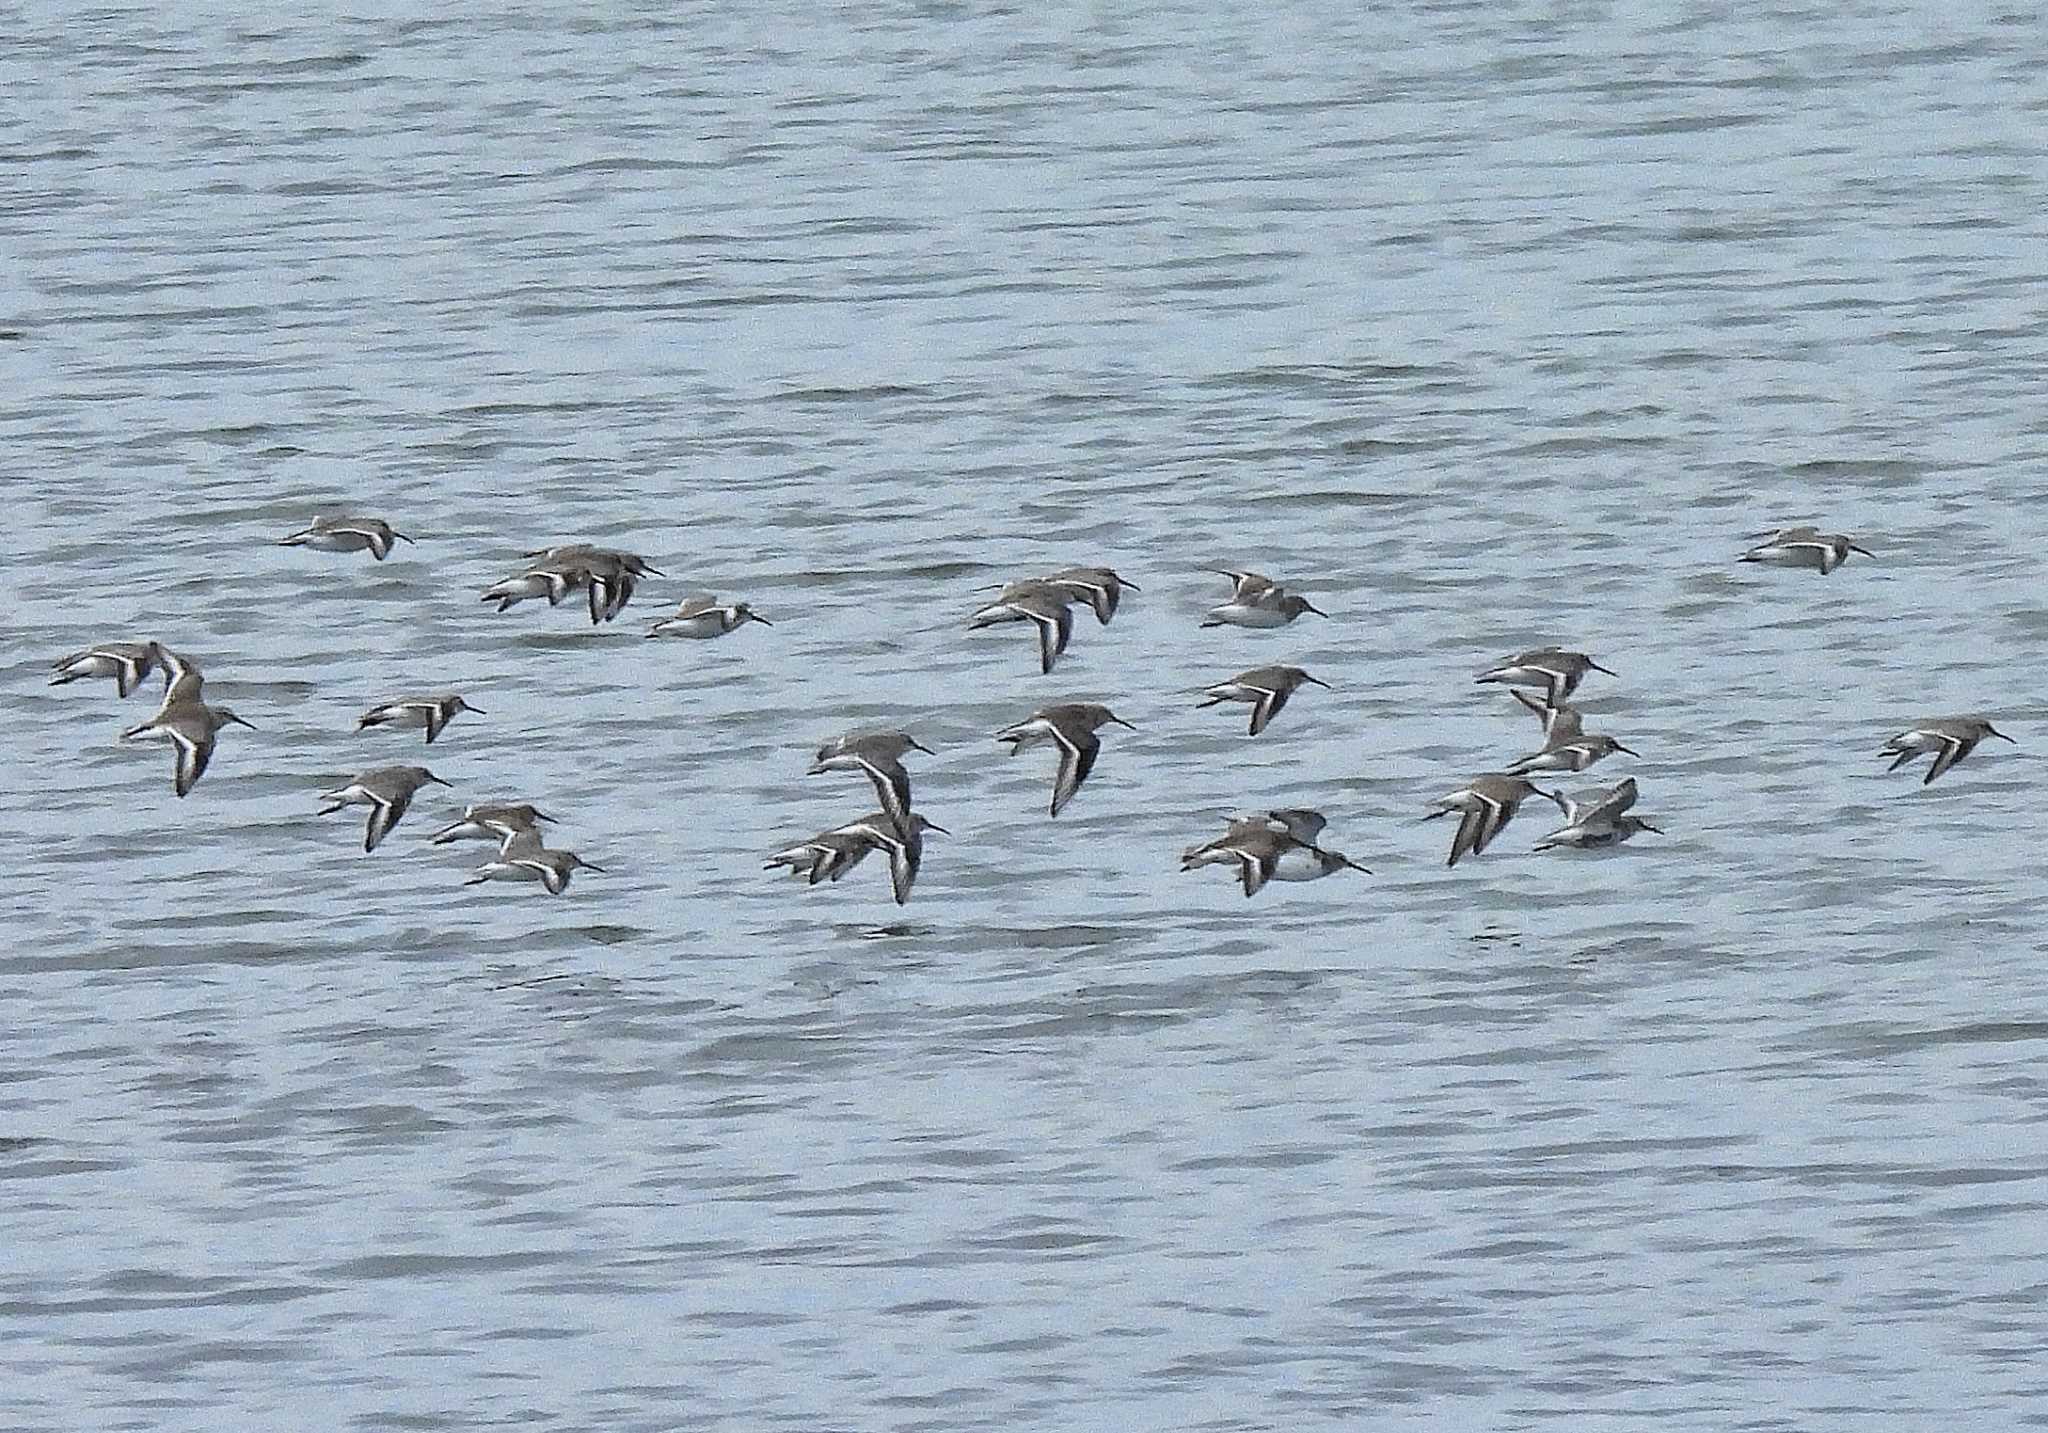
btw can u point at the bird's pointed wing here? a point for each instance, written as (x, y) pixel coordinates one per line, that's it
(1054, 630)
(1952, 751)
(1493, 815)
(383, 816)
(1256, 870)
(194, 752)
(1615, 800)
(1098, 592)
(826, 860)
(516, 842)
(182, 679)
(1303, 824)
(1560, 722)
(1271, 699)
(621, 594)
(1471, 822)
(905, 855)
(892, 788)
(1077, 759)
(129, 672)
(845, 855)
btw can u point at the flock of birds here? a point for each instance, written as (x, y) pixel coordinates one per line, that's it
(1282, 845)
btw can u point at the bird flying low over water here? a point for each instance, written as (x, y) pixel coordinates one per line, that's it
(126, 662)
(347, 534)
(190, 726)
(831, 854)
(523, 858)
(879, 756)
(1044, 605)
(1557, 671)
(1597, 818)
(1266, 688)
(1484, 805)
(825, 856)
(1803, 547)
(903, 842)
(1071, 726)
(1100, 587)
(700, 616)
(386, 790)
(433, 713)
(493, 821)
(1567, 753)
(606, 574)
(1257, 601)
(1272, 846)
(1949, 738)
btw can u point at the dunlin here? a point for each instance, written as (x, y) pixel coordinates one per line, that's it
(190, 726)
(1040, 603)
(551, 583)
(878, 754)
(523, 858)
(700, 616)
(1221, 850)
(1949, 738)
(608, 575)
(1264, 854)
(1257, 601)
(386, 790)
(589, 554)
(1303, 824)
(1070, 726)
(1267, 688)
(1557, 671)
(1272, 846)
(1100, 587)
(1568, 753)
(826, 856)
(1803, 547)
(347, 534)
(1484, 805)
(611, 577)
(126, 662)
(904, 845)
(433, 713)
(551, 577)
(1597, 818)
(493, 821)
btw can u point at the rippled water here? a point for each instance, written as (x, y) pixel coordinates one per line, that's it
(1487, 328)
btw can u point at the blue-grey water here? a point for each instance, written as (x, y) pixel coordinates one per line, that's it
(1488, 326)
